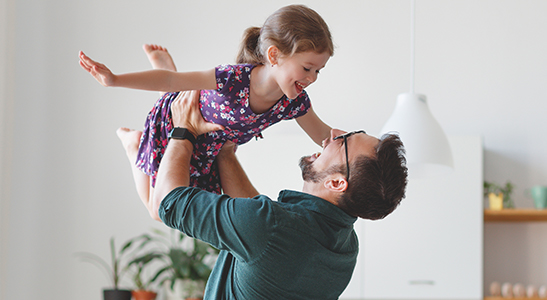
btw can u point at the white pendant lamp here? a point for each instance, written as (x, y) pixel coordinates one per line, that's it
(428, 152)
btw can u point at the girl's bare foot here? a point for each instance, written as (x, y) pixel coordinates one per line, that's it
(130, 141)
(159, 57)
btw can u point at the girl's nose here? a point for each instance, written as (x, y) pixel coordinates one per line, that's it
(312, 77)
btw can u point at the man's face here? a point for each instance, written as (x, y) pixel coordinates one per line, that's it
(315, 167)
(308, 172)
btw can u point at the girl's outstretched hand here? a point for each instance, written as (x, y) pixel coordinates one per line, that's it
(103, 75)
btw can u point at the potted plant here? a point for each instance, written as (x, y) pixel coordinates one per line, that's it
(114, 271)
(186, 263)
(499, 196)
(142, 289)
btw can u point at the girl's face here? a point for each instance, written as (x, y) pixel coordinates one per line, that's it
(296, 72)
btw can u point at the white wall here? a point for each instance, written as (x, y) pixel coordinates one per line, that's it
(6, 105)
(482, 65)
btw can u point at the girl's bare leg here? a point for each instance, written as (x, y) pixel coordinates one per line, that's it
(130, 140)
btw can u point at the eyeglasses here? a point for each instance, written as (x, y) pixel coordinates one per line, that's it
(345, 136)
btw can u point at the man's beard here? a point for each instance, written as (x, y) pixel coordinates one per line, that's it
(308, 173)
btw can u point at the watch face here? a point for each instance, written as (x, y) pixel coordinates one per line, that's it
(178, 133)
(182, 134)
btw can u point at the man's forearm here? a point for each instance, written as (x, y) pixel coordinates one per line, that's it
(233, 179)
(174, 171)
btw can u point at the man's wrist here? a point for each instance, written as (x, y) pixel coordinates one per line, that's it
(180, 133)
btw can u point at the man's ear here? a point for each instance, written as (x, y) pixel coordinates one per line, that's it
(273, 55)
(336, 183)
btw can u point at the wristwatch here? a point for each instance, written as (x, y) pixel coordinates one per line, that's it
(180, 133)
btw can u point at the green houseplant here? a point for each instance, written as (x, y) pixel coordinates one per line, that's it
(501, 193)
(114, 271)
(185, 263)
(138, 265)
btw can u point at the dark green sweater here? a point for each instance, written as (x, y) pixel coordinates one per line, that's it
(299, 247)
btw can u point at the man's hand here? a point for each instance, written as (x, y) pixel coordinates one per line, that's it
(185, 113)
(229, 148)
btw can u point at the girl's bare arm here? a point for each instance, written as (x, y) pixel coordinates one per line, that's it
(152, 80)
(316, 129)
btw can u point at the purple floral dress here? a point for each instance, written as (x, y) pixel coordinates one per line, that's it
(228, 105)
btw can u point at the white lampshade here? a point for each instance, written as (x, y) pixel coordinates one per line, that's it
(427, 149)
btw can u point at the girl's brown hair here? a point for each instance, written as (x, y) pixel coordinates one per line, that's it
(292, 29)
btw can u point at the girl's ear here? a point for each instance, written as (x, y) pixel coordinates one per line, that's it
(336, 183)
(273, 55)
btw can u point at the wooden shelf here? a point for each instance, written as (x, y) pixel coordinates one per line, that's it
(515, 215)
(501, 298)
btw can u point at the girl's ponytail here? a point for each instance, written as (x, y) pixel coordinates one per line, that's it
(249, 52)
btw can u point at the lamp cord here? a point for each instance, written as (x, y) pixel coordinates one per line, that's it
(412, 21)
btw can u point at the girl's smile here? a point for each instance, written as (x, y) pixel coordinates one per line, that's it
(300, 87)
(298, 71)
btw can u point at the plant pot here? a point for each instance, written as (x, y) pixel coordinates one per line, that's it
(117, 294)
(144, 295)
(496, 201)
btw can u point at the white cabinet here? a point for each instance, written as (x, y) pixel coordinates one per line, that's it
(431, 246)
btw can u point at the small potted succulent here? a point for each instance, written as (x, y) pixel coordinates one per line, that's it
(499, 196)
(114, 271)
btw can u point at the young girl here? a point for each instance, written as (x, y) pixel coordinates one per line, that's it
(274, 66)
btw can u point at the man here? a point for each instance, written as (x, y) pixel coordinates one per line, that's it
(302, 246)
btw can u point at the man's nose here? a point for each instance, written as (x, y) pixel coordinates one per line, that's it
(336, 132)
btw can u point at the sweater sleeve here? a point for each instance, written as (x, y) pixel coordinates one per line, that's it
(242, 226)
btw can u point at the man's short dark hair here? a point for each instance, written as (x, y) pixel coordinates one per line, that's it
(377, 184)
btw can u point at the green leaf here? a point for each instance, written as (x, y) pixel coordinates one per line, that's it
(98, 262)
(160, 272)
